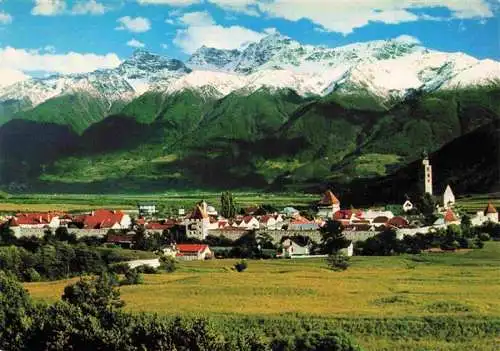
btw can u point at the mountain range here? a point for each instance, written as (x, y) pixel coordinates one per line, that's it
(272, 114)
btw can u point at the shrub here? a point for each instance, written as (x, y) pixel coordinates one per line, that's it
(316, 341)
(119, 267)
(133, 277)
(478, 244)
(338, 262)
(168, 264)
(241, 266)
(484, 237)
(146, 269)
(31, 275)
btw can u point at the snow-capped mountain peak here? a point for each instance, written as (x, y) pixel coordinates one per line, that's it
(384, 67)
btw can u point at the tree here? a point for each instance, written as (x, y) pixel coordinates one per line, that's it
(168, 264)
(95, 296)
(466, 225)
(332, 241)
(228, 208)
(265, 241)
(7, 236)
(15, 313)
(62, 234)
(427, 207)
(133, 277)
(139, 240)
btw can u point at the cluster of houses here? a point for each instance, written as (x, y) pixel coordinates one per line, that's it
(204, 220)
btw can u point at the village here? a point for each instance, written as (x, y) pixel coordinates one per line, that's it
(118, 227)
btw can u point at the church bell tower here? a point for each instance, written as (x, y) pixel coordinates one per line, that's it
(427, 174)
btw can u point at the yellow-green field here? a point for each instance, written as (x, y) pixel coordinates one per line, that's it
(462, 285)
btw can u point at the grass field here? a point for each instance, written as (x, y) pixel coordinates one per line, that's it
(175, 200)
(461, 285)
(75, 202)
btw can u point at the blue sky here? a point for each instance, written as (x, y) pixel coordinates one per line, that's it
(69, 36)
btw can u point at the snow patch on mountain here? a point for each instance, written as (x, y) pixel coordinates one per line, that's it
(223, 83)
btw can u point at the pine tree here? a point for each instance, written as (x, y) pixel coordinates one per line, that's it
(228, 209)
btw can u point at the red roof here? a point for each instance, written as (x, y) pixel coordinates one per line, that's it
(101, 219)
(199, 213)
(35, 218)
(302, 220)
(398, 222)
(247, 219)
(222, 224)
(342, 214)
(266, 218)
(190, 248)
(490, 209)
(381, 219)
(13, 222)
(329, 199)
(450, 216)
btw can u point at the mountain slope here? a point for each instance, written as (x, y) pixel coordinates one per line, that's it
(270, 140)
(466, 168)
(78, 111)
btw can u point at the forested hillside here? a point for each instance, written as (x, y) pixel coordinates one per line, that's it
(267, 139)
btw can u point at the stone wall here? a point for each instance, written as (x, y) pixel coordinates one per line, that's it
(314, 235)
(40, 232)
(277, 235)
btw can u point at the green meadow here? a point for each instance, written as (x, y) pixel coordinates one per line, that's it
(434, 301)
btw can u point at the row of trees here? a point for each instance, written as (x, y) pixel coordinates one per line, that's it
(453, 237)
(90, 317)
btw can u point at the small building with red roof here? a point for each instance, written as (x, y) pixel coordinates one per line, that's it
(450, 217)
(188, 252)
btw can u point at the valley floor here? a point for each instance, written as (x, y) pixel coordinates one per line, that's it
(461, 287)
(175, 200)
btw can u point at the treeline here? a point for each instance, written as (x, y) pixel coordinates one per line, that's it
(57, 256)
(454, 237)
(89, 317)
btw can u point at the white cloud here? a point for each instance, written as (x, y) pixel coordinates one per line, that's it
(135, 25)
(180, 3)
(202, 18)
(216, 36)
(48, 7)
(135, 43)
(5, 18)
(91, 7)
(346, 15)
(170, 21)
(33, 60)
(248, 7)
(164, 46)
(11, 76)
